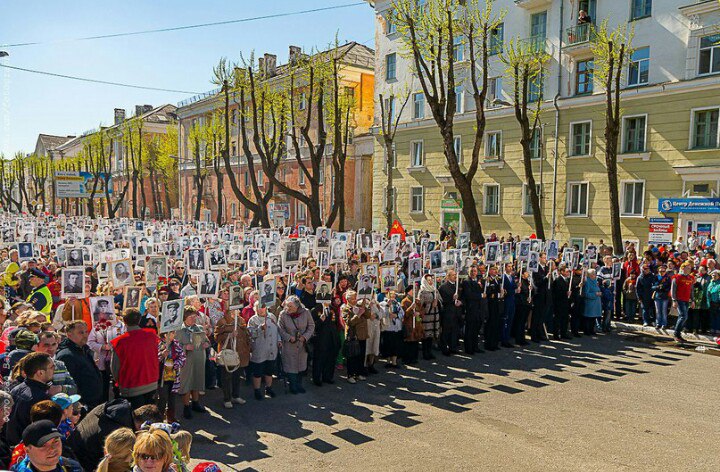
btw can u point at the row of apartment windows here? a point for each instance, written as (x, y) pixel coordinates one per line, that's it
(632, 199)
(705, 134)
(638, 72)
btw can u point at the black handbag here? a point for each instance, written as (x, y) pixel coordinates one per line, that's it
(351, 347)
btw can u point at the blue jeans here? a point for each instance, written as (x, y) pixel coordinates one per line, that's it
(630, 308)
(661, 312)
(683, 308)
(715, 316)
(648, 313)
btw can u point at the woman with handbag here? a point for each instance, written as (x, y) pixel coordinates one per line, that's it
(296, 328)
(356, 316)
(265, 337)
(233, 340)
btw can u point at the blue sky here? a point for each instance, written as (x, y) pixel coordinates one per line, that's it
(31, 104)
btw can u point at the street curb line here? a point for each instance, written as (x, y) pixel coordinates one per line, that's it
(666, 333)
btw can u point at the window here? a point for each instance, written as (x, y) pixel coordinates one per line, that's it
(233, 210)
(393, 194)
(234, 116)
(390, 26)
(494, 90)
(584, 77)
(393, 161)
(493, 145)
(491, 205)
(705, 129)
(457, 145)
(390, 105)
(234, 149)
(458, 49)
(419, 105)
(639, 67)
(301, 210)
(460, 99)
(535, 88)
(260, 178)
(633, 198)
(634, 134)
(247, 179)
(538, 22)
(536, 144)
(303, 101)
(246, 212)
(581, 137)
(390, 73)
(527, 202)
(495, 45)
(577, 201)
(710, 54)
(417, 156)
(640, 9)
(417, 199)
(301, 176)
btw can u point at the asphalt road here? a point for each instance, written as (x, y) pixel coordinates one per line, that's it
(608, 403)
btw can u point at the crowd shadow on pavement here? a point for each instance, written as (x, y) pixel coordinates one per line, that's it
(235, 437)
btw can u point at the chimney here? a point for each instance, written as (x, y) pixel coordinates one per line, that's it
(270, 65)
(294, 56)
(147, 108)
(261, 66)
(138, 110)
(119, 115)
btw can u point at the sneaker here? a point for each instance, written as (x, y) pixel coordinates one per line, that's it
(351, 380)
(645, 325)
(228, 405)
(269, 392)
(361, 377)
(238, 401)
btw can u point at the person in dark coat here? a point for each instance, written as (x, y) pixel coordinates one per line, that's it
(561, 304)
(470, 296)
(326, 344)
(577, 303)
(540, 301)
(79, 360)
(523, 305)
(39, 369)
(507, 287)
(644, 290)
(493, 327)
(88, 438)
(450, 314)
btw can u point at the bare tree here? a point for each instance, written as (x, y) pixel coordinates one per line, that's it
(389, 121)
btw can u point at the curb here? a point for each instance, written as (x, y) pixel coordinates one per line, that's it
(666, 333)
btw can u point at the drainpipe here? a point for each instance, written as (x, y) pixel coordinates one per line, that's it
(180, 197)
(557, 122)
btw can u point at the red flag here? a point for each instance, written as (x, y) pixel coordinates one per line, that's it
(397, 228)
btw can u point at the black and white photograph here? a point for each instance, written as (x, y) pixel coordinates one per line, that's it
(235, 301)
(73, 283)
(121, 273)
(209, 284)
(254, 259)
(553, 249)
(171, 317)
(388, 276)
(591, 253)
(292, 253)
(463, 241)
(132, 297)
(492, 252)
(196, 260)
(74, 257)
(323, 292)
(536, 245)
(507, 254)
(567, 257)
(155, 269)
(365, 242)
(323, 238)
(25, 251)
(370, 269)
(523, 250)
(533, 261)
(102, 308)
(450, 258)
(275, 265)
(337, 252)
(267, 292)
(365, 287)
(616, 270)
(414, 269)
(323, 259)
(435, 261)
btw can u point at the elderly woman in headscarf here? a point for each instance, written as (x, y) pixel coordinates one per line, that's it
(428, 305)
(593, 301)
(296, 327)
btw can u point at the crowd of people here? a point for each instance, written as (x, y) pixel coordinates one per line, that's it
(99, 376)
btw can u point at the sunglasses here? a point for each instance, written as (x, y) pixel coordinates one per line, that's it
(148, 457)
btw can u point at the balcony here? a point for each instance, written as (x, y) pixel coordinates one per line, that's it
(532, 4)
(578, 39)
(537, 43)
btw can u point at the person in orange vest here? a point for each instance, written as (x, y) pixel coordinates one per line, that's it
(75, 309)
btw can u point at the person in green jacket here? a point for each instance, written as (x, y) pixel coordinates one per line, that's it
(699, 320)
(713, 298)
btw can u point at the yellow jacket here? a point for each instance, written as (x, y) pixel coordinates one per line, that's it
(9, 278)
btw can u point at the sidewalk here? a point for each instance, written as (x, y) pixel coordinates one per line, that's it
(665, 333)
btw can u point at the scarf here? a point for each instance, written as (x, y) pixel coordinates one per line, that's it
(426, 286)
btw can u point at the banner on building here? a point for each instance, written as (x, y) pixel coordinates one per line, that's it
(279, 210)
(80, 185)
(689, 205)
(661, 231)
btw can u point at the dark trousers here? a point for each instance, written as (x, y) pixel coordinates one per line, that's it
(537, 323)
(450, 332)
(589, 324)
(167, 400)
(231, 384)
(576, 321)
(519, 323)
(141, 400)
(427, 348)
(492, 329)
(106, 380)
(323, 363)
(410, 351)
(472, 332)
(210, 371)
(356, 364)
(560, 322)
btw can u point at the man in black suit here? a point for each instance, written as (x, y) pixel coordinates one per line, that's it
(540, 299)
(561, 304)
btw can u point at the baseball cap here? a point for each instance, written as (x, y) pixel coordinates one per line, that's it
(37, 434)
(25, 339)
(65, 400)
(37, 273)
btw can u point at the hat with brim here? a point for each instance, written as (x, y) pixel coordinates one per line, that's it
(38, 434)
(64, 400)
(26, 339)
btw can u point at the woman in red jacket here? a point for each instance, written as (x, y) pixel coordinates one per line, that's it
(681, 294)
